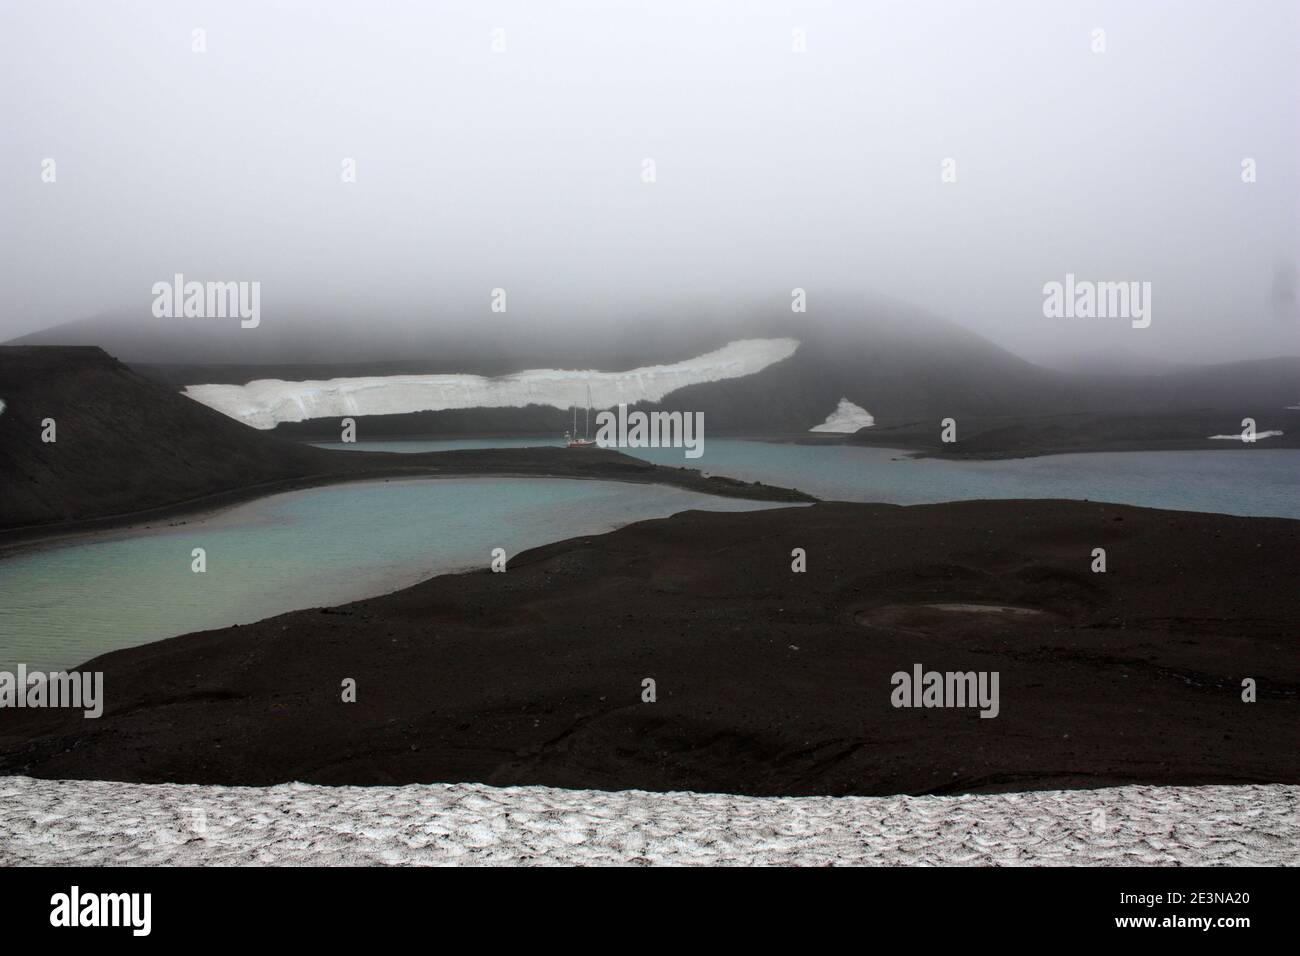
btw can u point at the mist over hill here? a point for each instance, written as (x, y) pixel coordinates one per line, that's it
(898, 363)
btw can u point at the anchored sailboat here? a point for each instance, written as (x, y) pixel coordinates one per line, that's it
(571, 438)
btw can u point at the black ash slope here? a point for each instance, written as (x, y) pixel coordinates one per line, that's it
(768, 681)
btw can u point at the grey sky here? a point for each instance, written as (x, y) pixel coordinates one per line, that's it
(523, 169)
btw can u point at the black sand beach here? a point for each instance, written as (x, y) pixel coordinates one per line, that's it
(768, 681)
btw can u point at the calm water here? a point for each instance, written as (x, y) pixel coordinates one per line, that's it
(324, 546)
(1246, 481)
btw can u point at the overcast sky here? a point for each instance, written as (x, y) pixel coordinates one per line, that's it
(523, 169)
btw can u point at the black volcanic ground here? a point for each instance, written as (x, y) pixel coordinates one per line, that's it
(769, 682)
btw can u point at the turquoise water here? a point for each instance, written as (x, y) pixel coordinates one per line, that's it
(1254, 481)
(62, 605)
(1245, 481)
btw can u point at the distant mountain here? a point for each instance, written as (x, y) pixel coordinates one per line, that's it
(899, 365)
(354, 342)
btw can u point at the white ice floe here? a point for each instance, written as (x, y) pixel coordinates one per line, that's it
(1238, 437)
(267, 402)
(58, 822)
(847, 417)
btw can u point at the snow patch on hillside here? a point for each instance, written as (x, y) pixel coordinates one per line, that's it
(99, 823)
(267, 402)
(847, 418)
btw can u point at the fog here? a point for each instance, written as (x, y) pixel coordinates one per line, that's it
(524, 169)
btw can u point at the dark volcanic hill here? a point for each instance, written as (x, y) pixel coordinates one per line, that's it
(123, 443)
(901, 365)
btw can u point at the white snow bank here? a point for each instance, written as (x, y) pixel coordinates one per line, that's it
(60, 822)
(847, 417)
(1237, 437)
(267, 402)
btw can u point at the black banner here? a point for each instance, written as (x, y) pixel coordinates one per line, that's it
(269, 905)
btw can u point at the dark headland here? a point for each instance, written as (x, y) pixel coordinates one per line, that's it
(768, 681)
(1028, 436)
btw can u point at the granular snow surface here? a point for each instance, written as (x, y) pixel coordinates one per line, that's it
(56, 822)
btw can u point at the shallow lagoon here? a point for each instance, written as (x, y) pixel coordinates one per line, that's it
(62, 605)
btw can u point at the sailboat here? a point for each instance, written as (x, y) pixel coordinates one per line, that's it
(571, 438)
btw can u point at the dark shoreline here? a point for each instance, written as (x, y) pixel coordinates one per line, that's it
(997, 439)
(768, 682)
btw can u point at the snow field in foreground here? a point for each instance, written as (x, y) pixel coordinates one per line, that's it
(54, 822)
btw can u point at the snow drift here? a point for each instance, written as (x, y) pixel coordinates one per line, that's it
(266, 403)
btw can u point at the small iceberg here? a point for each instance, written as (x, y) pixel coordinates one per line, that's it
(1258, 435)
